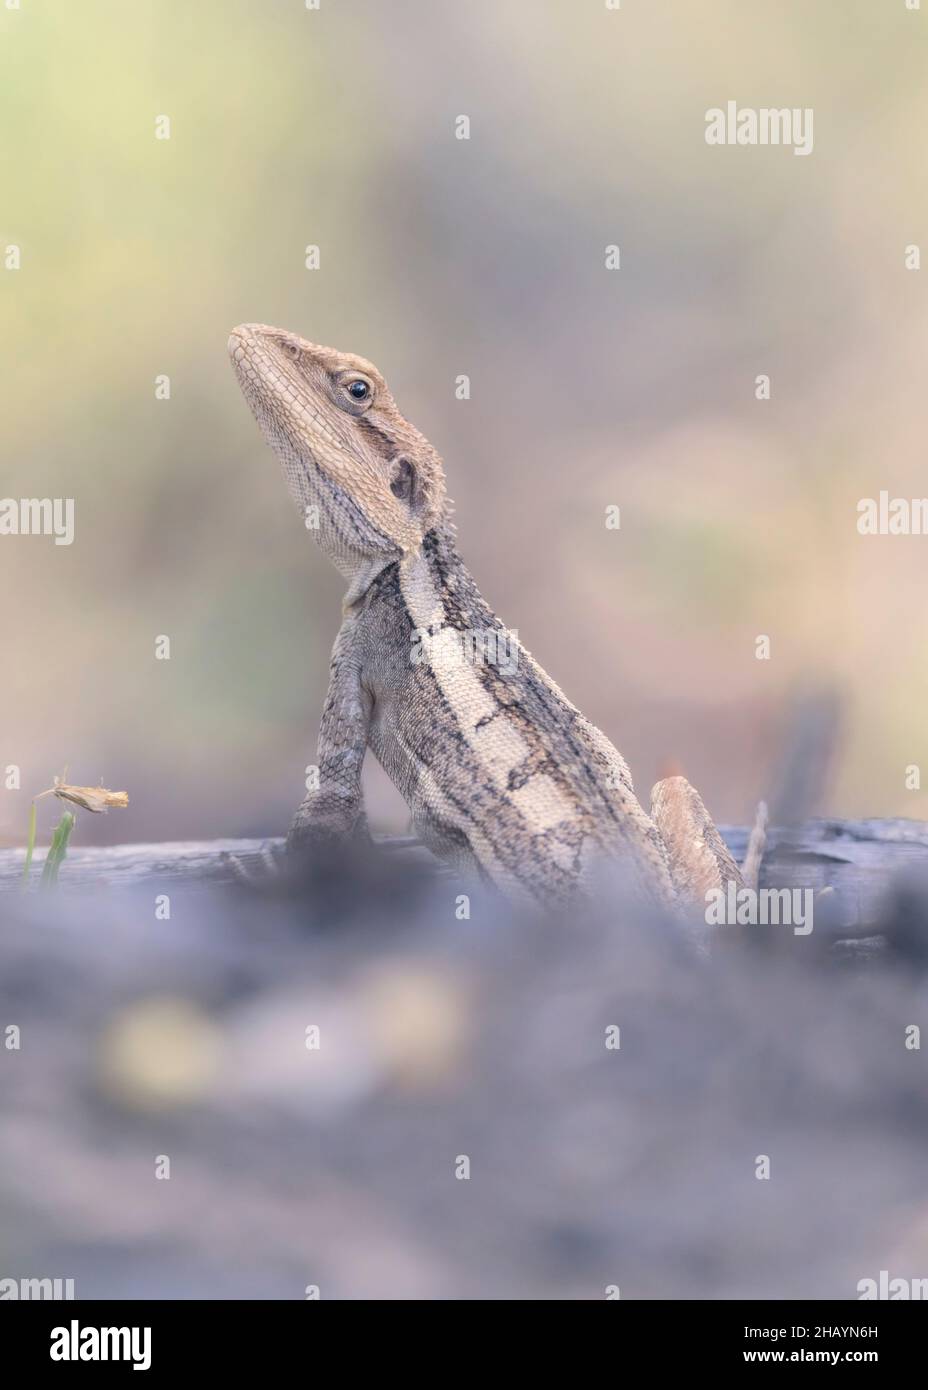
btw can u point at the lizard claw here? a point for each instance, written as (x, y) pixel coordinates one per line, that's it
(264, 868)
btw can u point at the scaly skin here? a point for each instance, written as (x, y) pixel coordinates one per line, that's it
(501, 773)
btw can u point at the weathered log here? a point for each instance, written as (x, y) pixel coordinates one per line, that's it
(191, 861)
(863, 861)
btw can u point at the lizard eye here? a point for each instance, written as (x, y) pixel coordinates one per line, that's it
(352, 392)
(291, 350)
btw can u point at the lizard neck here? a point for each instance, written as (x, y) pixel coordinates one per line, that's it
(438, 588)
(362, 578)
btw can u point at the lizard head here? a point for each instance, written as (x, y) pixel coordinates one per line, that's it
(369, 484)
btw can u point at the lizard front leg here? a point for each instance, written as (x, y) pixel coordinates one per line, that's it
(333, 810)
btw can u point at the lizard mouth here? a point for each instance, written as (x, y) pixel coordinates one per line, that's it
(255, 367)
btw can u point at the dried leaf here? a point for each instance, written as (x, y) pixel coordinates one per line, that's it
(95, 799)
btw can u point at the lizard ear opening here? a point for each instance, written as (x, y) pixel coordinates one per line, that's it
(404, 484)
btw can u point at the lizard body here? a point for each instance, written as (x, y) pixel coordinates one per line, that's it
(502, 774)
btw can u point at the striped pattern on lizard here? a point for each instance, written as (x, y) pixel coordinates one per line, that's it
(502, 774)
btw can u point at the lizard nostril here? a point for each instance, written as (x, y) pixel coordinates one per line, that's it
(241, 341)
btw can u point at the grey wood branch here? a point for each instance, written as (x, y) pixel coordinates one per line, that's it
(863, 861)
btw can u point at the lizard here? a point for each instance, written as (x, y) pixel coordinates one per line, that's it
(503, 776)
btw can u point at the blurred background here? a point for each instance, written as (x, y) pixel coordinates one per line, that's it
(139, 1037)
(442, 257)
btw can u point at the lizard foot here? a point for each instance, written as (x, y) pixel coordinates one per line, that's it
(262, 869)
(700, 860)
